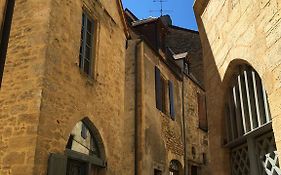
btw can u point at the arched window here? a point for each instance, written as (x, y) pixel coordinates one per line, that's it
(248, 126)
(175, 168)
(84, 154)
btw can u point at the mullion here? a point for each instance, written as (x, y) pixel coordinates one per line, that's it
(84, 41)
(89, 46)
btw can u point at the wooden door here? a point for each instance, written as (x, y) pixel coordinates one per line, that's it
(75, 167)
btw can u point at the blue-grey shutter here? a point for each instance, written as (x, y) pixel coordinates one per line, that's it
(57, 164)
(158, 89)
(171, 97)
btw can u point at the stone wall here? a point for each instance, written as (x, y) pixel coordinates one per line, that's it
(2, 11)
(44, 93)
(235, 32)
(163, 136)
(21, 90)
(69, 95)
(197, 139)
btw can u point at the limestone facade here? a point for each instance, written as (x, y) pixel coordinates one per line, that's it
(44, 93)
(162, 137)
(233, 33)
(46, 97)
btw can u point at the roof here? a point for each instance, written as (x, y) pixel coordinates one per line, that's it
(131, 15)
(180, 55)
(126, 29)
(144, 21)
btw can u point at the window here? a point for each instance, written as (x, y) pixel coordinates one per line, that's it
(157, 172)
(86, 47)
(161, 91)
(162, 87)
(194, 170)
(175, 168)
(248, 129)
(5, 33)
(202, 113)
(84, 154)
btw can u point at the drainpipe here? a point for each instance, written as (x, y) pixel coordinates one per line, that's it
(139, 107)
(185, 169)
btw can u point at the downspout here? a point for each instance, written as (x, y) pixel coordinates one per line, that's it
(139, 107)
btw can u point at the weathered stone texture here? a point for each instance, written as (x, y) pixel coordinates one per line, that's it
(163, 136)
(234, 32)
(44, 93)
(22, 87)
(196, 138)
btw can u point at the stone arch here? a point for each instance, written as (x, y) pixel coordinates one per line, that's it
(95, 133)
(228, 79)
(175, 167)
(247, 124)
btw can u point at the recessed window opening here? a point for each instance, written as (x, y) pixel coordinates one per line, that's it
(87, 43)
(248, 129)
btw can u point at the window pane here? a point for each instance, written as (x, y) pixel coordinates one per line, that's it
(81, 50)
(89, 25)
(83, 19)
(89, 39)
(86, 66)
(88, 52)
(80, 60)
(82, 35)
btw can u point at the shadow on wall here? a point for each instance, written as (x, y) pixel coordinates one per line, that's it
(215, 90)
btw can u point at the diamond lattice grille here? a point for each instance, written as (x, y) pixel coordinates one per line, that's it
(240, 160)
(268, 155)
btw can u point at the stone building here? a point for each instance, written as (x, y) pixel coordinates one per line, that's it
(84, 92)
(241, 52)
(64, 69)
(171, 121)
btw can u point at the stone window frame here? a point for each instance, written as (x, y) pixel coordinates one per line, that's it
(94, 41)
(175, 167)
(202, 111)
(167, 95)
(57, 163)
(247, 123)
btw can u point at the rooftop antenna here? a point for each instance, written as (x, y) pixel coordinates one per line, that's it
(161, 5)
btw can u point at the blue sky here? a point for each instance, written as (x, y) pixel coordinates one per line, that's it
(180, 11)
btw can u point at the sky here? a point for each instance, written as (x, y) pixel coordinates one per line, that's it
(181, 11)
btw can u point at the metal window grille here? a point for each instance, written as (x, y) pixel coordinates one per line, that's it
(247, 105)
(248, 126)
(267, 155)
(240, 160)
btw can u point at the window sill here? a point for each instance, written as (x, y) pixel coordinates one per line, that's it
(88, 78)
(204, 129)
(165, 115)
(254, 133)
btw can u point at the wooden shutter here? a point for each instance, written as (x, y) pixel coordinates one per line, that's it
(202, 113)
(158, 89)
(171, 97)
(57, 164)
